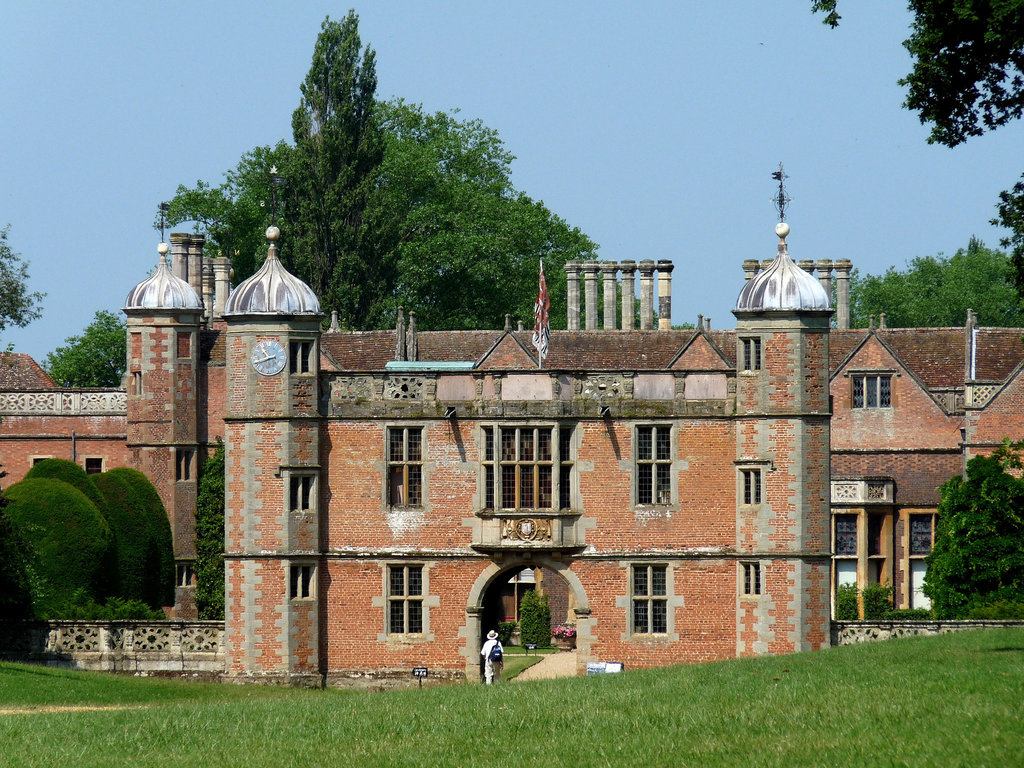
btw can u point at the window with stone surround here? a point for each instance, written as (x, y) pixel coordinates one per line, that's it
(405, 466)
(301, 492)
(653, 465)
(135, 387)
(527, 467)
(751, 479)
(183, 464)
(300, 357)
(921, 532)
(845, 535)
(185, 574)
(872, 390)
(93, 465)
(301, 581)
(750, 575)
(751, 353)
(649, 597)
(405, 599)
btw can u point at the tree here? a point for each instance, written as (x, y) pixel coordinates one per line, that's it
(967, 78)
(978, 556)
(437, 227)
(18, 305)
(937, 291)
(331, 174)
(96, 358)
(210, 539)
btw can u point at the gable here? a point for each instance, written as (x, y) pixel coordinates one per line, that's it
(700, 355)
(507, 354)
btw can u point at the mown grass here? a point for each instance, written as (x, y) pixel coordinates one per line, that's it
(943, 701)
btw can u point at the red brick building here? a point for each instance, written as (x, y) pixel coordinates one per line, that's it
(684, 495)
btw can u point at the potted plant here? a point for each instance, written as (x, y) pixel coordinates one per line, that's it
(564, 636)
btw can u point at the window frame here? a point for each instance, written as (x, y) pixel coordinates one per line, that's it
(751, 578)
(653, 465)
(411, 470)
(414, 623)
(302, 487)
(185, 574)
(302, 579)
(868, 387)
(751, 486)
(557, 466)
(649, 599)
(300, 356)
(751, 351)
(183, 469)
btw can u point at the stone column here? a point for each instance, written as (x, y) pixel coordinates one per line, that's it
(750, 268)
(179, 254)
(590, 295)
(195, 262)
(609, 269)
(207, 290)
(843, 267)
(825, 276)
(665, 295)
(221, 284)
(807, 265)
(628, 268)
(572, 282)
(646, 295)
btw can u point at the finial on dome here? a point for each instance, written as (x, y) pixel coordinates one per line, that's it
(273, 233)
(162, 249)
(782, 198)
(782, 230)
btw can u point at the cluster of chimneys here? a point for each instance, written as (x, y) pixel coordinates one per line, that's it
(209, 277)
(610, 282)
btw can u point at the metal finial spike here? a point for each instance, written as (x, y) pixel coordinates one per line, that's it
(782, 198)
(276, 180)
(164, 207)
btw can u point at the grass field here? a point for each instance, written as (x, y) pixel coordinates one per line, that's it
(944, 701)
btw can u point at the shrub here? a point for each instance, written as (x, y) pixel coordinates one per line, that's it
(15, 593)
(1006, 610)
(846, 603)
(535, 619)
(505, 630)
(564, 632)
(210, 540)
(68, 540)
(142, 536)
(81, 607)
(877, 601)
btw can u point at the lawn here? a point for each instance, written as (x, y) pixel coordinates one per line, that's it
(954, 700)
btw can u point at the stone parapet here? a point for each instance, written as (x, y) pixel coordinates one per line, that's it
(64, 403)
(853, 632)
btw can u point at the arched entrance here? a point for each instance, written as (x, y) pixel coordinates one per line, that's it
(498, 592)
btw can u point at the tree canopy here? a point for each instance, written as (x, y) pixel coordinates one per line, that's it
(978, 557)
(210, 538)
(385, 205)
(967, 78)
(95, 358)
(18, 305)
(937, 291)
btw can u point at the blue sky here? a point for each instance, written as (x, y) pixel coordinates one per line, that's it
(654, 127)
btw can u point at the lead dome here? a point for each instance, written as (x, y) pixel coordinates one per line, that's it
(273, 290)
(162, 290)
(782, 285)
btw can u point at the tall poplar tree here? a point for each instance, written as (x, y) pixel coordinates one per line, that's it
(330, 177)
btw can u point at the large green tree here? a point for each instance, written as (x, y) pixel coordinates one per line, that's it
(937, 291)
(978, 556)
(967, 78)
(436, 227)
(18, 305)
(210, 539)
(94, 358)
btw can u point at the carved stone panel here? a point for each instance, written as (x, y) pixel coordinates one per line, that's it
(404, 387)
(526, 529)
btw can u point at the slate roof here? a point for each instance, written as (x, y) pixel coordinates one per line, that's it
(20, 371)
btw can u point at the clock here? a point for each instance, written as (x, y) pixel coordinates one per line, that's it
(268, 357)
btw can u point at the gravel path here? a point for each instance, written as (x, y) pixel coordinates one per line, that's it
(561, 664)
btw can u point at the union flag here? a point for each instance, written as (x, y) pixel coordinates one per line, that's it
(541, 321)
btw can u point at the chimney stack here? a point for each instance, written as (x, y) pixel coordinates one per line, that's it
(646, 295)
(609, 270)
(572, 281)
(825, 276)
(628, 294)
(665, 295)
(843, 267)
(179, 255)
(750, 268)
(590, 294)
(221, 284)
(195, 262)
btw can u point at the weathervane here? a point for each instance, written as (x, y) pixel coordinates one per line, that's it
(163, 221)
(276, 180)
(782, 199)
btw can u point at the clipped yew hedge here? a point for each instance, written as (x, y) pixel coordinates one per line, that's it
(69, 541)
(15, 594)
(142, 537)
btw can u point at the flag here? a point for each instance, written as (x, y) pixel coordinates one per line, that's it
(541, 321)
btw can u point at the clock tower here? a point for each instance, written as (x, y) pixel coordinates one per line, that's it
(272, 503)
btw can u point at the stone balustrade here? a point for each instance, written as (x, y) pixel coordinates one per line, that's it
(853, 632)
(64, 403)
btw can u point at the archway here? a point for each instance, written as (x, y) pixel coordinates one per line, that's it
(497, 593)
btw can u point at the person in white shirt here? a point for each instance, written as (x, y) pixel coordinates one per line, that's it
(492, 666)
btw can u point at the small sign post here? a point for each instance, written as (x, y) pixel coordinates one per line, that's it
(419, 673)
(531, 646)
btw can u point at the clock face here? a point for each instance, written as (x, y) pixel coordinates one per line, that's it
(268, 357)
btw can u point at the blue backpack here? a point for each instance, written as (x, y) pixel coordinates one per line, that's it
(495, 655)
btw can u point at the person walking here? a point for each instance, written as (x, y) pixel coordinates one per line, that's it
(493, 654)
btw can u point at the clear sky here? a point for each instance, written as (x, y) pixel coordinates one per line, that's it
(652, 126)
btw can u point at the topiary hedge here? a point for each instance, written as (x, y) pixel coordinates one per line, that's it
(535, 619)
(68, 540)
(142, 536)
(15, 593)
